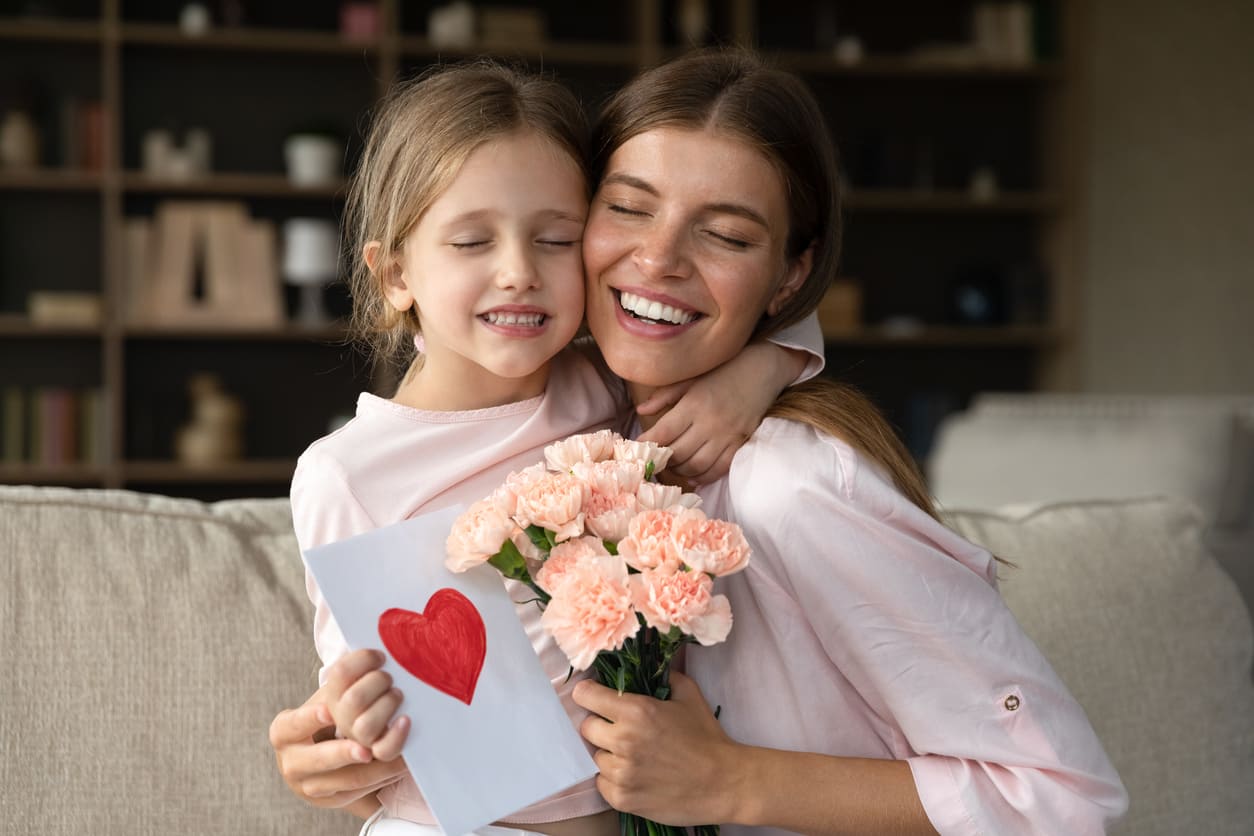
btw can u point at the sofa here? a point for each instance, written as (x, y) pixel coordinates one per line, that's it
(149, 641)
(1009, 448)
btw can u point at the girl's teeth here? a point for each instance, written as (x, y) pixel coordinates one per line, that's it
(529, 320)
(646, 309)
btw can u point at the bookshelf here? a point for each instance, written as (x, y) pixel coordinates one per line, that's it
(911, 129)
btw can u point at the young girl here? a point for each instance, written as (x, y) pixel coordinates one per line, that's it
(466, 217)
(874, 681)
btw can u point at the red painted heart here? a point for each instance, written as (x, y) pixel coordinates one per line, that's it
(443, 646)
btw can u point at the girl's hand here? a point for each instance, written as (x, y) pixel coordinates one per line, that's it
(667, 760)
(363, 703)
(326, 771)
(711, 417)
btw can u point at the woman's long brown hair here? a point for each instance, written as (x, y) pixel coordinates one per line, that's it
(734, 93)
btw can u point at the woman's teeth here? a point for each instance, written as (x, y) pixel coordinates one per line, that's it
(527, 320)
(646, 309)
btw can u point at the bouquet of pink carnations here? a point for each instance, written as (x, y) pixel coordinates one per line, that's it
(622, 566)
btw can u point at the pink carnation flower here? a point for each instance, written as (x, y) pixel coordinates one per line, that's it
(591, 610)
(608, 516)
(683, 600)
(477, 535)
(506, 496)
(714, 546)
(652, 495)
(610, 477)
(566, 555)
(589, 447)
(648, 544)
(627, 450)
(554, 502)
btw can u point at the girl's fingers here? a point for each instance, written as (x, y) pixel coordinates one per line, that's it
(348, 669)
(358, 699)
(296, 725)
(371, 724)
(352, 782)
(388, 746)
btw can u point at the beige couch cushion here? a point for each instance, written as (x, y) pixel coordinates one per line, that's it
(1058, 447)
(1152, 638)
(147, 643)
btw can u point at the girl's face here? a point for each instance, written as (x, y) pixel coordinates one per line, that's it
(684, 252)
(494, 271)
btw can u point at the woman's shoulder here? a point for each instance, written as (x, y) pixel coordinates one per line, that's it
(786, 451)
(786, 459)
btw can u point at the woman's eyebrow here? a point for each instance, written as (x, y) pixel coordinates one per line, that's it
(618, 178)
(629, 180)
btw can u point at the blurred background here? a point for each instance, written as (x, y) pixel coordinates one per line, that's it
(1047, 198)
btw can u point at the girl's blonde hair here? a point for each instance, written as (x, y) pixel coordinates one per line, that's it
(420, 136)
(733, 92)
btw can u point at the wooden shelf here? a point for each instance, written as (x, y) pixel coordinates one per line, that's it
(20, 326)
(934, 336)
(907, 200)
(254, 471)
(246, 39)
(817, 63)
(46, 474)
(241, 185)
(286, 333)
(51, 180)
(51, 30)
(562, 52)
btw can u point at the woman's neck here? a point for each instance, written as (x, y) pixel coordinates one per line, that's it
(640, 393)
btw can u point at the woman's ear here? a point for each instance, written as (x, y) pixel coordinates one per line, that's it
(390, 276)
(795, 276)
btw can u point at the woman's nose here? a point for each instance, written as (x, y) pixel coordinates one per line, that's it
(517, 269)
(661, 253)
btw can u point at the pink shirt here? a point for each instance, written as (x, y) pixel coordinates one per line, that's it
(392, 462)
(865, 628)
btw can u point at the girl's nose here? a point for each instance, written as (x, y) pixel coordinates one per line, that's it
(517, 269)
(661, 253)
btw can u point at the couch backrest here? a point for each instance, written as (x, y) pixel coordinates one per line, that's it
(1153, 639)
(1037, 447)
(148, 642)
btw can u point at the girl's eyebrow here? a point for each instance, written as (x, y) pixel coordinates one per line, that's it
(634, 182)
(487, 214)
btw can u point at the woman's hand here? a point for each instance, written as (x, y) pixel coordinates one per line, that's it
(707, 419)
(669, 761)
(325, 771)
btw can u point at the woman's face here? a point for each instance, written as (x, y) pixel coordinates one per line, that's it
(684, 252)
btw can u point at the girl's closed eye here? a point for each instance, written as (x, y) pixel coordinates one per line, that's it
(469, 245)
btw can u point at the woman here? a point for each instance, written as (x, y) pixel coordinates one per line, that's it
(874, 681)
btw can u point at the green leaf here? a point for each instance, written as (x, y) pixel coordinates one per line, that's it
(540, 537)
(510, 563)
(648, 470)
(610, 546)
(621, 681)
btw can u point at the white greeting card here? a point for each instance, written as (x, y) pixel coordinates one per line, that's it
(489, 735)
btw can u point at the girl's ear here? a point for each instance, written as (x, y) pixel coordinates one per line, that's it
(390, 276)
(795, 276)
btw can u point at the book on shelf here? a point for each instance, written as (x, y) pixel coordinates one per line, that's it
(53, 426)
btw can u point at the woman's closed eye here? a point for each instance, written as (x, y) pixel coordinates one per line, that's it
(729, 240)
(620, 209)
